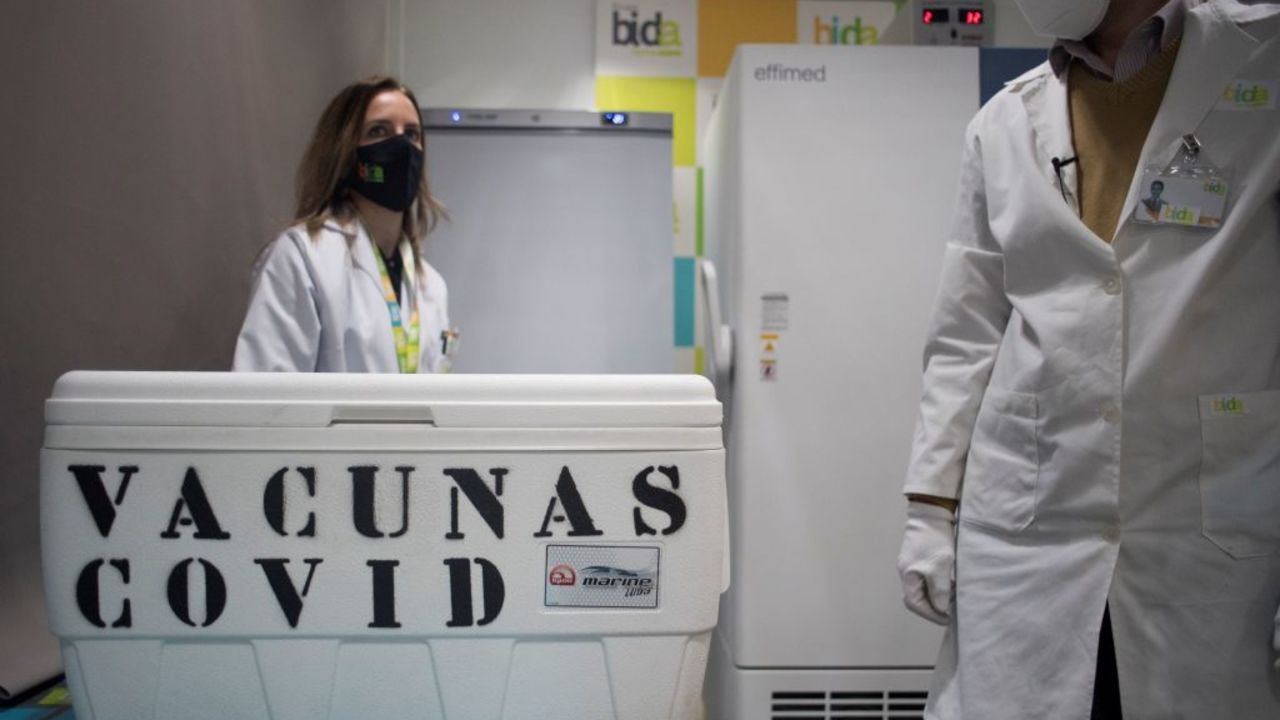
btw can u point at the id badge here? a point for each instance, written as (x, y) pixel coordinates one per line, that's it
(1189, 191)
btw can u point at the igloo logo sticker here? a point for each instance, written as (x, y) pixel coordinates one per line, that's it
(563, 575)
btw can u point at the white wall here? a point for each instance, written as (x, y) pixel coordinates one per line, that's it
(498, 53)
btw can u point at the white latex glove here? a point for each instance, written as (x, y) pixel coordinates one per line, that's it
(927, 561)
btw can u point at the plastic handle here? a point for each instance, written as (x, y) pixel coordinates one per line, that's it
(721, 374)
(721, 335)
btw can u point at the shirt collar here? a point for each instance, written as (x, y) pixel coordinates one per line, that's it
(1154, 34)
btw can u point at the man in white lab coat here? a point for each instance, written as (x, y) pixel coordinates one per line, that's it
(1101, 403)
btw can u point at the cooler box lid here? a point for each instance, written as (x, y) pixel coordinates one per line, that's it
(301, 400)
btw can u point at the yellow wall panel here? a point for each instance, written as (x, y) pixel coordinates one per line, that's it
(677, 96)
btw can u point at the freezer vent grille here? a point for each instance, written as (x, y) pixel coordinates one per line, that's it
(847, 705)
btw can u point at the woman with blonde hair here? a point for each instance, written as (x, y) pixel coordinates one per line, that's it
(346, 288)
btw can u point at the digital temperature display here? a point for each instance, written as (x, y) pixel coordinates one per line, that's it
(931, 16)
(952, 22)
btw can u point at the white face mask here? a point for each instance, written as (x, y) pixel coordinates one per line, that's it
(1066, 19)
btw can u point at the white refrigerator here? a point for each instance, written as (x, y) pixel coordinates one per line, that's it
(557, 250)
(830, 179)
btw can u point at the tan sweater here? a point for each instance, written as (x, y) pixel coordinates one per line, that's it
(1109, 124)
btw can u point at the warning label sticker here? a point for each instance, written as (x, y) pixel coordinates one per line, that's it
(602, 576)
(768, 370)
(774, 312)
(768, 344)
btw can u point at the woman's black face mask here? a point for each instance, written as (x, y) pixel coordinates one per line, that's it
(387, 172)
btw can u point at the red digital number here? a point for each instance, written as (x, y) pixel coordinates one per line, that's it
(973, 17)
(928, 17)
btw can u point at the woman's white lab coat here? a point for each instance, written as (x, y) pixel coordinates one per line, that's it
(318, 306)
(1109, 414)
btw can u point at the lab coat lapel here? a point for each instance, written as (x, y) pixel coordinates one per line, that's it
(362, 253)
(1213, 49)
(1047, 109)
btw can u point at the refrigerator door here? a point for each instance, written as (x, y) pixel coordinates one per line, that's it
(557, 253)
(838, 170)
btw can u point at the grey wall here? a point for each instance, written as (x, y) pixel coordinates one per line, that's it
(149, 150)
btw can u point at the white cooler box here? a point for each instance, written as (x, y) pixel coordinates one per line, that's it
(362, 546)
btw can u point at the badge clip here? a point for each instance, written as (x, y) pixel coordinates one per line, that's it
(449, 342)
(448, 348)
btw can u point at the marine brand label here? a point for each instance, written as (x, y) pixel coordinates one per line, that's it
(602, 576)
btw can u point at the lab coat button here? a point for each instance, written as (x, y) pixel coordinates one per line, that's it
(1110, 413)
(1111, 286)
(1111, 533)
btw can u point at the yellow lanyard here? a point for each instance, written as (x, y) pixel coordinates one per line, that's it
(406, 341)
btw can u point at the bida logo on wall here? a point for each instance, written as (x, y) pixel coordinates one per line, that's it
(646, 38)
(832, 22)
(649, 36)
(295, 545)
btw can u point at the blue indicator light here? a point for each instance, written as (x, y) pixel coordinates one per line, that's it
(614, 118)
(455, 116)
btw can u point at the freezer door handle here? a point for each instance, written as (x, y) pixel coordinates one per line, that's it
(721, 373)
(721, 345)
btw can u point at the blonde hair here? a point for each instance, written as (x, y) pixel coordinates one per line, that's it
(331, 156)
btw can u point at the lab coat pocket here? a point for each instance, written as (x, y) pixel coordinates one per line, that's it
(1240, 472)
(1004, 463)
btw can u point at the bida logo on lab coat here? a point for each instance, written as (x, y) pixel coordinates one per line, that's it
(288, 582)
(1249, 95)
(1229, 405)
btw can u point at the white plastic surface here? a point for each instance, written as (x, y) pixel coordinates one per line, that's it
(838, 196)
(318, 578)
(738, 693)
(318, 400)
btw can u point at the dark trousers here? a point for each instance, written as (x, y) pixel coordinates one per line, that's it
(1106, 688)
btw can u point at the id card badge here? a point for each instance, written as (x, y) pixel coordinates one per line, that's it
(1189, 191)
